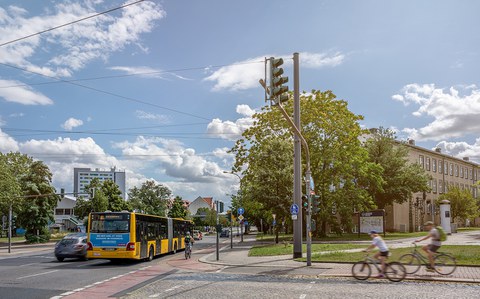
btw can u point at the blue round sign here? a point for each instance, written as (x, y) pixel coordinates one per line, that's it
(240, 211)
(294, 209)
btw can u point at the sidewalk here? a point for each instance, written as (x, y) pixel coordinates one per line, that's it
(21, 248)
(285, 265)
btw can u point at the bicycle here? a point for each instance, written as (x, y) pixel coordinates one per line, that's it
(188, 251)
(445, 264)
(362, 270)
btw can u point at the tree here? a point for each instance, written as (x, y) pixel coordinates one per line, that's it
(97, 202)
(462, 204)
(113, 194)
(9, 186)
(400, 178)
(150, 198)
(178, 209)
(38, 209)
(340, 168)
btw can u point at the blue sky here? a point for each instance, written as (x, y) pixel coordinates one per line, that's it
(162, 89)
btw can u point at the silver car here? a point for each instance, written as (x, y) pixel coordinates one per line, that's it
(72, 246)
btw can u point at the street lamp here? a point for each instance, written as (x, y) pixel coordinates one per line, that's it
(231, 212)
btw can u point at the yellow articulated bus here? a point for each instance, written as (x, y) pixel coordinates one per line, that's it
(126, 235)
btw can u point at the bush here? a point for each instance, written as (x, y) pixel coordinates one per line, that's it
(43, 237)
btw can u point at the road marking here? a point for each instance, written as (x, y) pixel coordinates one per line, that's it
(154, 295)
(221, 269)
(173, 288)
(38, 274)
(26, 265)
(302, 296)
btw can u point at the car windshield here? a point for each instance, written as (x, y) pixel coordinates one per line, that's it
(68, 241)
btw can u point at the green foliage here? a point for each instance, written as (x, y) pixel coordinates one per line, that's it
(400, 178)
(9, 186)
(150, 198)
(113, 194)
(178, 209)
(340, 168)
(462, 204)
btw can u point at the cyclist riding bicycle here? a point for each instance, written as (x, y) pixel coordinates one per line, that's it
(434, 245)
(189, 240)
(377, 241)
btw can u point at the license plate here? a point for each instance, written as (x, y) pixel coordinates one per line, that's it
(96, 254)
(110, 249)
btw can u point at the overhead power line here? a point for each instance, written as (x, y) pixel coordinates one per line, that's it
(70, 23)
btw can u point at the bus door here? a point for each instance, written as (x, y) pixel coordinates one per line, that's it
(170, 235)
(142, 238)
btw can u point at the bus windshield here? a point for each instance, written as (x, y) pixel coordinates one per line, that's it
(110, 223)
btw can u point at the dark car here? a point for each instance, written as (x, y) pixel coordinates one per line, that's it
(225, 233)
(72, 246)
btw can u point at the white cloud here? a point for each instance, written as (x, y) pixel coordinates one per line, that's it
(16, 92)
(230, 130)
(461, 149)
(7, 143)
(171, 158)
(455, 111)
(140, 114)
(140, 71)
(78, 44)
(245, 74)
(71, 123)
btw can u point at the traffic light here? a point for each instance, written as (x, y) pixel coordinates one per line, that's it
(277, 89)
(305, 202)
(315, 204)
(14, 222)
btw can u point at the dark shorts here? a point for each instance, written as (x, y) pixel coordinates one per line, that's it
(384, 253)
(433, 248)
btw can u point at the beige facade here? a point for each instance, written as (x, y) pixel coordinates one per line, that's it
(446, 172)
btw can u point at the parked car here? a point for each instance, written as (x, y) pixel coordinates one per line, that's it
(197, 235)
(225, 233)
(72, 246)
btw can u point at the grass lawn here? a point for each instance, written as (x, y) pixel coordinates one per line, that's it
(14, 239)
(465, 255)
(344, 237)
(466, 229)
(281, 249)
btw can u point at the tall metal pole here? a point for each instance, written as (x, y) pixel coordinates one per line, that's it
(308, 175)
(297, 165)
(218, 239)
(10, 229)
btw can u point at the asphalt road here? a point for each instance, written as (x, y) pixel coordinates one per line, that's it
(40, 275)
(227, 285)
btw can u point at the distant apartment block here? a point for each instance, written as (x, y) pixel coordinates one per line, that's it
(83, 176)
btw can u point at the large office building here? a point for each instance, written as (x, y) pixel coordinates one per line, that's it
(445, 172)
(83, 176)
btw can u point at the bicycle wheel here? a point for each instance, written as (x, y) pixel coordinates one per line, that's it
(395, 271)
(187, 252)
(361, 270)
(411, 263)
(445, 264)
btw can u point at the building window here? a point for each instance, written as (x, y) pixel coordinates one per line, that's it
(456, 170)
(434, 185)
(461, 172)
(428, 163)
(451, 169)
(440, 186)
(462, 186)
(466, 173)
(440, 166)
(434, 165)
(445, 167)
(445, 184)
(421, 160)
(59, 212)
(68, 212)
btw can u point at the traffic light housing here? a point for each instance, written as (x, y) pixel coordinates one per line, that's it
(315, 204)
(277, 87)
(305, 202)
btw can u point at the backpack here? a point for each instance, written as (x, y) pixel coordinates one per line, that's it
(441, 233)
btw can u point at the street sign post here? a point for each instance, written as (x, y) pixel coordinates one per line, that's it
(294, 209)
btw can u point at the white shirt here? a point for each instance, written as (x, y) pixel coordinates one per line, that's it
(378, 241)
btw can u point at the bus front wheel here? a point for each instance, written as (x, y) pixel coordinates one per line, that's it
(150, 254)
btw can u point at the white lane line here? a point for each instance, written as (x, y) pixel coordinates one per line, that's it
(38, 274)
(173, 288)
(26, 265)
(302, 296)
(221, 269)
(154, 295)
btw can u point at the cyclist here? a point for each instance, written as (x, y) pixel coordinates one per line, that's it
(434, 245)
(189, 240)
(377, 241)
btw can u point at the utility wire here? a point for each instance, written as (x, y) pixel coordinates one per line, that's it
(70, 23)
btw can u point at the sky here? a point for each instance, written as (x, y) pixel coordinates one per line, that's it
(162, 89)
